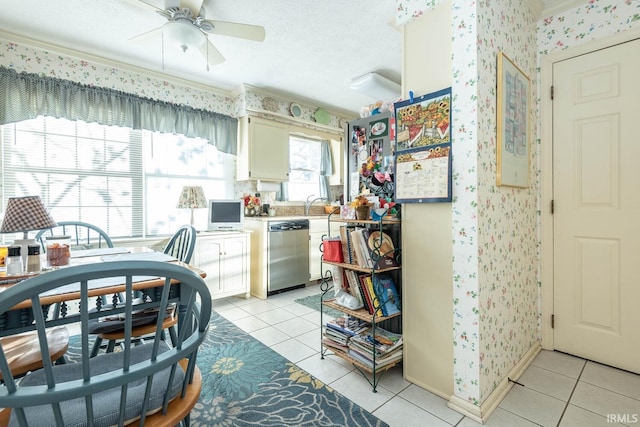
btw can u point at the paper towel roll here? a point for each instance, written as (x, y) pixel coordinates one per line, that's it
(268, 186)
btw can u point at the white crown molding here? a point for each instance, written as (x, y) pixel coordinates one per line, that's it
(561, 6)
(294, 121)
(137, 69)
(287, 98)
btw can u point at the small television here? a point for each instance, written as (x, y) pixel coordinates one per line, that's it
(226, 215)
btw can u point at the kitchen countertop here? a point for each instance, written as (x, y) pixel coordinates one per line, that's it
(284, 217)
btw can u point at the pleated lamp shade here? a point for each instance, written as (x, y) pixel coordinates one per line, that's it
(192, 197)
(26, 214)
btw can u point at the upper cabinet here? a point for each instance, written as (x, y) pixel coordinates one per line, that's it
(263, 149)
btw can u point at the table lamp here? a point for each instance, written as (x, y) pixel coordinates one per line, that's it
(25, 214)
(192, 197)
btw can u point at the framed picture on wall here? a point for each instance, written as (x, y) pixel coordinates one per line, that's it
(513, 124)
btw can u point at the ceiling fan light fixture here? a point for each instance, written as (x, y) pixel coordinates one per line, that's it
(183, 34)
(377, 87)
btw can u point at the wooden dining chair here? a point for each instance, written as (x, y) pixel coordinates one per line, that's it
(23, 350)
(181, 246)
(83, 235)
(182, 243)
(150, 384)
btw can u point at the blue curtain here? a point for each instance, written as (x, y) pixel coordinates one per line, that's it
(26, 96)
(326, 168)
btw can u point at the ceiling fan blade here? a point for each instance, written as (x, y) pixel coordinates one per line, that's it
(146, 36)
(193, 5)
(213, 55)
(150, 4)
(234, 29)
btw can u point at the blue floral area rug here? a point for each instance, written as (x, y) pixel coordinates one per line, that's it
(245, 383)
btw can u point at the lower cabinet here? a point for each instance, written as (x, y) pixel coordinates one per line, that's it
(224, 256)
(318, 229)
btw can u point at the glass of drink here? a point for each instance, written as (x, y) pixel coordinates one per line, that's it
(58, 250)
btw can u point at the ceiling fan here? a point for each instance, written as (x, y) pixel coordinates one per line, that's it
(187, 27)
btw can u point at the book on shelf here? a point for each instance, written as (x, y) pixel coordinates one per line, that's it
(348, 251)
(347, 325)
(380, 249)
(375, 305)
(385, 289)
(368, 301)
(334, 345)
(336, 336)
(354, 288)
(357, 241)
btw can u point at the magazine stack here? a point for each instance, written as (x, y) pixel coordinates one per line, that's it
(385, 345)
(338, 332)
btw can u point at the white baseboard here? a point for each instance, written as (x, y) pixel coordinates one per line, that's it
(482, 413)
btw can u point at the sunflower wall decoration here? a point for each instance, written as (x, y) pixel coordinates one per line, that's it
(423, 148)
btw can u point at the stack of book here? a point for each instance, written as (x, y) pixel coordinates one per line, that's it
(385, 345)
(337, 332)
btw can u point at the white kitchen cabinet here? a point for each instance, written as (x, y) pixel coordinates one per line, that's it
(224, 256)
(317, 229)
(263, 150)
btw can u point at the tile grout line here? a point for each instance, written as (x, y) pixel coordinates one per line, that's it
(564, 410)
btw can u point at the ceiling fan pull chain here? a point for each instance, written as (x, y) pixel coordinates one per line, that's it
(207, 58)
(162, 41)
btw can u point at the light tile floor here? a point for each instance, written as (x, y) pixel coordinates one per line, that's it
(556, 390)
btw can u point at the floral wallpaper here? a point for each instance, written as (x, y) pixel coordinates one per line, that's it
(507, 225)
(593, 20)
(495, 229)
(466, 320)
(407, 10)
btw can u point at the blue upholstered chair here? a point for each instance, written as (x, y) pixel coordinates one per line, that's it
(153, 381)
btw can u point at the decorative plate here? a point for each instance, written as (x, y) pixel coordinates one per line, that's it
(295, 110)
(378, 128)
(269, 104)
(322, 116)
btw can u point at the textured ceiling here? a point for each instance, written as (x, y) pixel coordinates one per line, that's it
(311, 52)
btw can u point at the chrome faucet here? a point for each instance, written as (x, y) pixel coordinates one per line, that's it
(308, 203)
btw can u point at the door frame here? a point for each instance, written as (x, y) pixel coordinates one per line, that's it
(546, 168)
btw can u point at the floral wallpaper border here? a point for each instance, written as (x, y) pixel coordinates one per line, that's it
(25, 58)
(406, 10)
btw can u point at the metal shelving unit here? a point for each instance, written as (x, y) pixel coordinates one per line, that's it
(372, 374)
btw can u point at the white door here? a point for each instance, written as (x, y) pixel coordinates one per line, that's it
(596, 192)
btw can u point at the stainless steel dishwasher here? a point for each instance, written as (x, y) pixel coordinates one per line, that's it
(288, 255)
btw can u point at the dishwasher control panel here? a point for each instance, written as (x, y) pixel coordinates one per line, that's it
(301, 224)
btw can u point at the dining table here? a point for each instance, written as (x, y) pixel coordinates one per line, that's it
(20, 318)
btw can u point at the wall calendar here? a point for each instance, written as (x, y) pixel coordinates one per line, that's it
(423, 148)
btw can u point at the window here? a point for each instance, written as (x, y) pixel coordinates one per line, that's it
(125, 181)
(304, 165)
